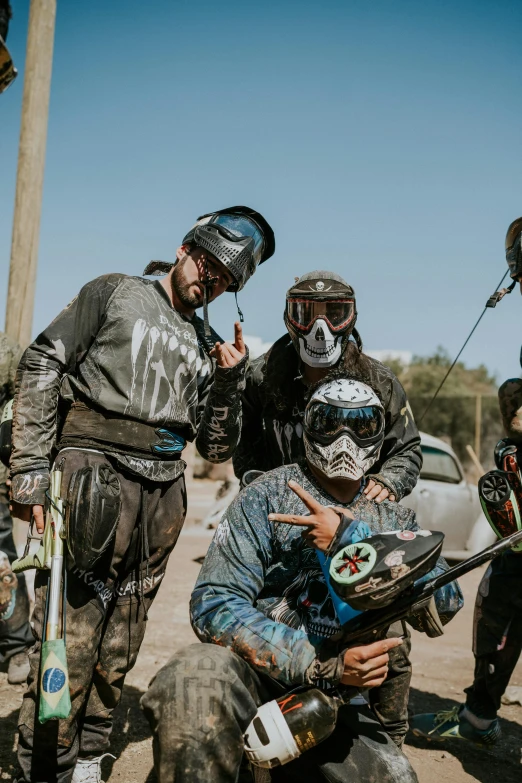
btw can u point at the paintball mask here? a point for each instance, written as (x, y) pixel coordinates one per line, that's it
(239, 237)
(514, 249)
(500, 492)
(343, 428)
(320, 315)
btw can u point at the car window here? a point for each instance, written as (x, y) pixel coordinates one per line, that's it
(438, 465)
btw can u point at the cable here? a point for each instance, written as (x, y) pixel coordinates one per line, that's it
(441, 384)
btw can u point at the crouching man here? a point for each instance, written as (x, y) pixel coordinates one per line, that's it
(264, 611)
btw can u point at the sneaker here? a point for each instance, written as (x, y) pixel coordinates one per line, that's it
(89, 770)
(449, 724)
(18, 668)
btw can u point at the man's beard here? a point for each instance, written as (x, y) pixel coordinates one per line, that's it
(182, 289)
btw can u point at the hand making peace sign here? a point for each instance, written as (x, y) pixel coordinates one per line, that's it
(321, 523)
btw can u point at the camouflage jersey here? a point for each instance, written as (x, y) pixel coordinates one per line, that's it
(274, 401)
(122, 350)
(261, 591)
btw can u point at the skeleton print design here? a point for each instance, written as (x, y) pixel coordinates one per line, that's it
(320, 347)
(306, 604)
(122, 346)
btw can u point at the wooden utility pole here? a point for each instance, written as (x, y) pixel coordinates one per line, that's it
(29, 178)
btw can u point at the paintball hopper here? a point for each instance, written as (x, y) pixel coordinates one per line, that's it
(285, 728)
(500, 492)
(371, 573)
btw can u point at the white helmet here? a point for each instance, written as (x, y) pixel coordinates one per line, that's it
(343, 428)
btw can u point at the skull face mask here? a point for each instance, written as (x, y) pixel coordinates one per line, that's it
(320, 315)
(343, 429)
(320, 348)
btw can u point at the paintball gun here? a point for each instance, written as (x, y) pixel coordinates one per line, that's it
(378, 577)
(55, 700)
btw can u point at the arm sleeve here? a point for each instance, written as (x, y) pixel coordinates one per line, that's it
(219, 413)
(223, 607)
(401, 457)
(250, 452)
(55, 352)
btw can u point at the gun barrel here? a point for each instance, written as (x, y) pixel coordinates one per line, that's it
(52, 629)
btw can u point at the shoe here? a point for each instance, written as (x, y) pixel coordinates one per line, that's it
(89, 770)
(449, 724)
(18, 668)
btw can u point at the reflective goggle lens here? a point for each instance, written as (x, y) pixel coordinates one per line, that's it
(238, 226)
(328, 420)
(338, 313)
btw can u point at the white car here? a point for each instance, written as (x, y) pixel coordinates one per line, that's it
(443, 500)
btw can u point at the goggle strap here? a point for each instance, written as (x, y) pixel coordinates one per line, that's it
(239, 312)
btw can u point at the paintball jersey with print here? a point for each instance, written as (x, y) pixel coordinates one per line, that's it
(261, 591)
(120, 349)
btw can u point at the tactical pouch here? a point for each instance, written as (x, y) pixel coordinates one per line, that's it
(93, 511)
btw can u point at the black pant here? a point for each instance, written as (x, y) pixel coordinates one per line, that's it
(201, 702)
(15, 631)
(106, 621)
(497, 634)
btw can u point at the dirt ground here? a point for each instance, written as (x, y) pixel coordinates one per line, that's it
(442, 668)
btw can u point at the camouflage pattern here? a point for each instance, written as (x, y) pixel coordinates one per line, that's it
(273, 408)
(122, 348)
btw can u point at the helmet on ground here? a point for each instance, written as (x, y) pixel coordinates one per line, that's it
(514, 249)
(320, 315)
(343, 428)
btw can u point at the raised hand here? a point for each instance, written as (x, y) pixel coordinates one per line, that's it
(230, 354)
(320, 524)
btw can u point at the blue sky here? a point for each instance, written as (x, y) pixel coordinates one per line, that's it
(381, 140)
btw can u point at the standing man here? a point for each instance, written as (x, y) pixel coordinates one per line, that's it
(111, 391)
(320, 316)
(497, 623)
(15, 632)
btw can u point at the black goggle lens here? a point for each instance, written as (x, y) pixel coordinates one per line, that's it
(328, 420)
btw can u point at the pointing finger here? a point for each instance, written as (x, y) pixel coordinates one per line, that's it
(291, 519)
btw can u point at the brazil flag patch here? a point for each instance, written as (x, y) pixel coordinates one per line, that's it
(55, 699)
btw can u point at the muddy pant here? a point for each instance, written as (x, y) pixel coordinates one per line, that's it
(390, 700)
(15, 631)
(200, 704)
(106, 619)
(497, 633)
